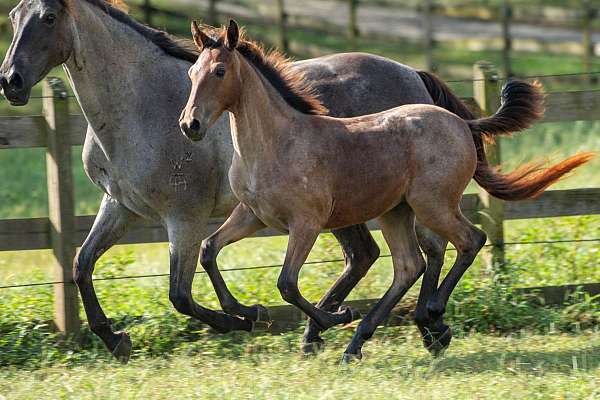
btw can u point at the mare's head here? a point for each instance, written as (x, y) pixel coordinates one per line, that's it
(217, 78)
(42, 39)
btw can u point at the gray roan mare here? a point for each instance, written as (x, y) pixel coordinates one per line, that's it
(296, 170)
(131, 82)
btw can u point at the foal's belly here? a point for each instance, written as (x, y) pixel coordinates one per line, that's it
(364, 204)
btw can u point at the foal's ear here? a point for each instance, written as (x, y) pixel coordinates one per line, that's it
(200, 38)
(233, 35)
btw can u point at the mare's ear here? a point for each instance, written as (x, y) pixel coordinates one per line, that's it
(233, 35)
(200, 38)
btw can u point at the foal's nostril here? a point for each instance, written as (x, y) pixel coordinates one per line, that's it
(195, 126)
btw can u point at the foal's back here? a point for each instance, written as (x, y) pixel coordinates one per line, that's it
(395, 153)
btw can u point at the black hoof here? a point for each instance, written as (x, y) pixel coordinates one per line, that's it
(351, 314)
(351, 358)
(122, 350)
(314, 347)
(437, 343)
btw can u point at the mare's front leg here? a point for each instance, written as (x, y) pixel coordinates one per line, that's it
(301, 240)
(242, 223)
(360, 252)
(110, 225)
(184, 248)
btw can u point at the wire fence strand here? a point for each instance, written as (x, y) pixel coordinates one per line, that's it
(273, 266)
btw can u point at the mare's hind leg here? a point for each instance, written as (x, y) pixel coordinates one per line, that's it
(242, 223)
(436, 335)
(360, 252)
(184, 248)
(110, 225)
(398, 230)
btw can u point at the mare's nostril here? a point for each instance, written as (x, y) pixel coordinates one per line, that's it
(195, 126)
(16, 81)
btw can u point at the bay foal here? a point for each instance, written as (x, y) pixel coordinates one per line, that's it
(300, 172)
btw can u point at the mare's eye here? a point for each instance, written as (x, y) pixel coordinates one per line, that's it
(49, 19)
(220, 72)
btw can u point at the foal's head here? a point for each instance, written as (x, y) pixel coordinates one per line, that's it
(217, 78)
(215, 81)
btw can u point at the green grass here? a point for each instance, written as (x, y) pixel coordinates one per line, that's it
(553, 366)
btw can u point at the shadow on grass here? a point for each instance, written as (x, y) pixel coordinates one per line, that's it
(585, 358)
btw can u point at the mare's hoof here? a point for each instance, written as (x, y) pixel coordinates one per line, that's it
(350, 314)
(122, 351)
(437, 343)
(314, 347)
(351, 358)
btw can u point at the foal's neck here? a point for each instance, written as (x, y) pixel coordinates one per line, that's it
(116, 73)
(260, 119)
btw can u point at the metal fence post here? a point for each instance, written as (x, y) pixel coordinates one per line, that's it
(212, 13)
(507, 13)
(486, 89)
(147, 7)
(428, 41)
(61, 204)
(589, 14)
(353, 31)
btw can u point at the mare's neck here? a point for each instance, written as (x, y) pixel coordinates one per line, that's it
(261, 118)
(125, 84)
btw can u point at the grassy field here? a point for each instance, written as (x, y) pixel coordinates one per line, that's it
(521, 366)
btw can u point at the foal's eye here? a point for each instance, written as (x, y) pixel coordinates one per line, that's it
(220, 72)
(49, 19)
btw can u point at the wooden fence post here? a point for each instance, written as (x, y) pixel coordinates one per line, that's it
(212, 17)
(507, 13)
(486, 89)
(61, 204)
(147, 6)
(353, 31)
(428, 42)
(282, 25)
(589, 14)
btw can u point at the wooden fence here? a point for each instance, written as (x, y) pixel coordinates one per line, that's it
(57, 130)
(505, 14)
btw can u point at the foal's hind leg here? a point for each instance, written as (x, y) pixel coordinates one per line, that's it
(360, 252)
(448, 222)
(110, 225)
(242, 223)
(436, 335)
(397, 227)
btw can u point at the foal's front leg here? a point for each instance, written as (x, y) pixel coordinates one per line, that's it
(360, 252)
(242, 223)
(300, 243)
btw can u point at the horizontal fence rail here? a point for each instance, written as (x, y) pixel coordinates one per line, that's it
(34, 233)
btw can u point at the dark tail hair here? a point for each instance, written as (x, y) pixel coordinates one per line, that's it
(522, 105)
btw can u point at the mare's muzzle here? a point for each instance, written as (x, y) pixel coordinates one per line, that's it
(14, 88)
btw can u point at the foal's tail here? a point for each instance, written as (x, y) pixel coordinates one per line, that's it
(522, 105)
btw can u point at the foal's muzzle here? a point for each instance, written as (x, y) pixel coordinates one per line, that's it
(192, 128)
